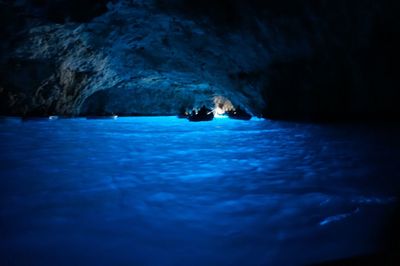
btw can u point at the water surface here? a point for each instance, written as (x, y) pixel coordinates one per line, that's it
(163, 191)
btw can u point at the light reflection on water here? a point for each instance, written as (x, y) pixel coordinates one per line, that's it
(163, 191)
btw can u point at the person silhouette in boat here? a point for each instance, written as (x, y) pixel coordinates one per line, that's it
(239, 113)
(203, 111)
(204, 114)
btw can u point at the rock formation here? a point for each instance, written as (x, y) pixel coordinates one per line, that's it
(292, 59)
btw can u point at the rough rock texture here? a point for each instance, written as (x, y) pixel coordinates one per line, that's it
(292, 59)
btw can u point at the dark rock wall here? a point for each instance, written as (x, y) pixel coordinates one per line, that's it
(351, 70)
(280, 59)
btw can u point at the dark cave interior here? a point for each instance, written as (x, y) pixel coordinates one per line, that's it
(315, 60)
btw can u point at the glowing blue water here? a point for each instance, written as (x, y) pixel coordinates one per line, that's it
(163, 191)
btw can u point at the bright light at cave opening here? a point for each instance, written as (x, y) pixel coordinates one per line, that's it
(222, 105)
(219, 113)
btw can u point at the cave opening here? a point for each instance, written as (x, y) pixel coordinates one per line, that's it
(222, 105)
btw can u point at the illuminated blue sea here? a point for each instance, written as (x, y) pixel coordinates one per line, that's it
(164, 191)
